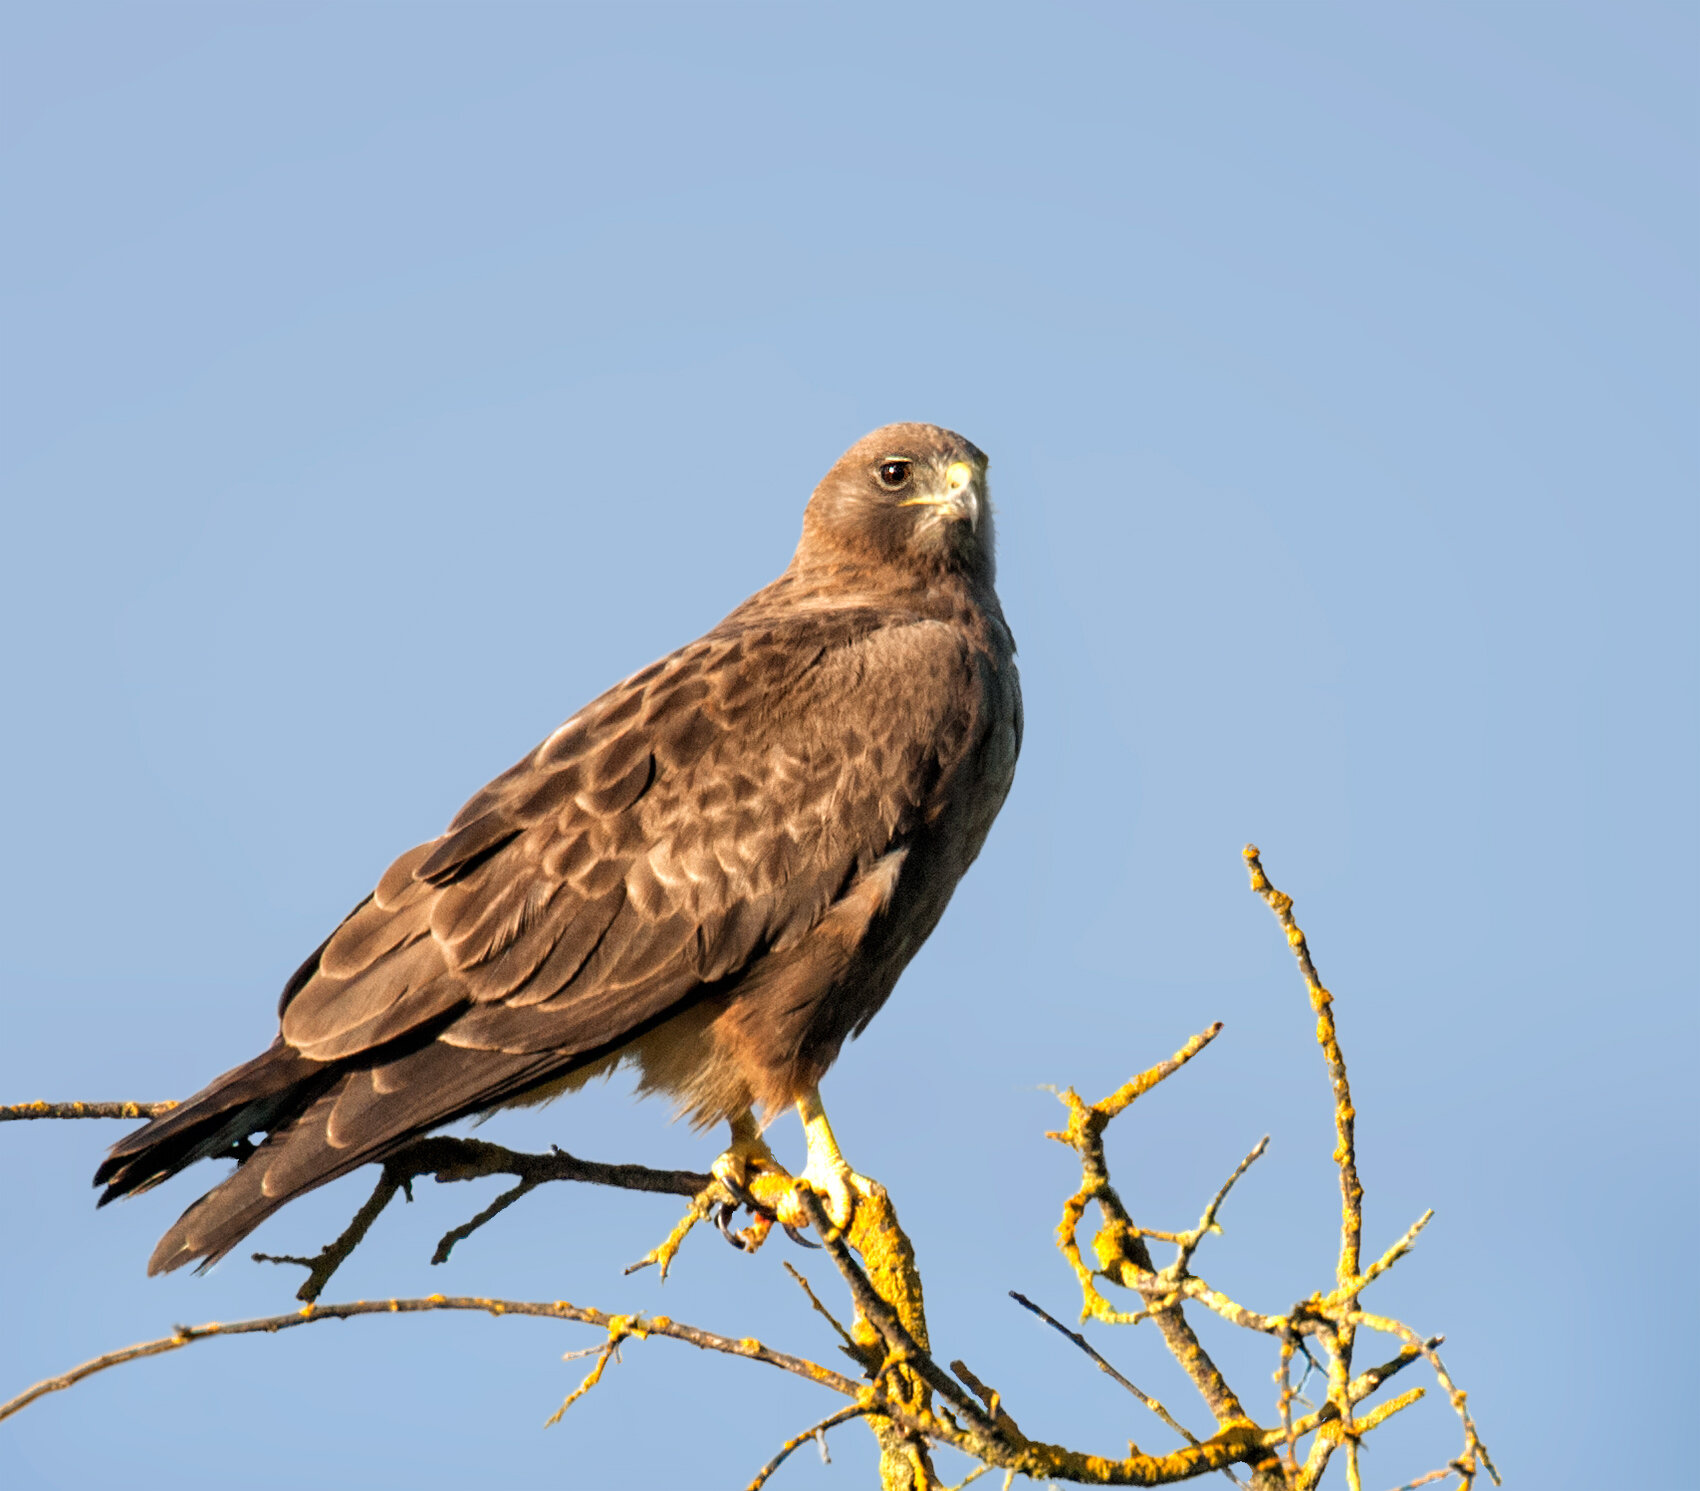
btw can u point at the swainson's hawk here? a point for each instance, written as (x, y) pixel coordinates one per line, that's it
(715, 871)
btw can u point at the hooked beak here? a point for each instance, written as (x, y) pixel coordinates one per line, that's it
(960, 499)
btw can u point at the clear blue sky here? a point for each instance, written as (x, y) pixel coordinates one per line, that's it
(383, 381)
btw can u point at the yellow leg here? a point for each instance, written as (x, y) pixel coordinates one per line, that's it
(747, 1155)
(827, 1173)
(751, 1174)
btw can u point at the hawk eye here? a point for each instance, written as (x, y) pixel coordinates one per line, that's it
(894, 474)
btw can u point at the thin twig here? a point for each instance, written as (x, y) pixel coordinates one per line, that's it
(446, 1244)
(1384, 1411)
(331, 1257)
(1387, 1259)
(619, 1329)
(1103, 1366)
(1284, 1381)
(1207, 1223)
(1370, 1381)
(1348, 1267)
(989, 1396)
(559, 1310)
(816, 1431)
(849, 1341)
(15, 1111)
(1311, 1366)
(1345, 1116)
(1430, 1478)
(1472, 1440)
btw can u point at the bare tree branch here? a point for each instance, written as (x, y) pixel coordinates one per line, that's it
(1103, 1366)
(16, 1111)
(816, 1432)
(186, 1335)
(446, 1158)
(331, 1257)
(911, 1403)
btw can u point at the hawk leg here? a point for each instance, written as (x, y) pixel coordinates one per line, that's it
(827, 1173)
(749, 1173)
(745, 1158)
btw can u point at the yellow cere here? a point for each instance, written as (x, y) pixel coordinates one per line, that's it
(959, 475)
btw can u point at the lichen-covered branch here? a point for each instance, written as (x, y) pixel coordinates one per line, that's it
(660, 1325)
(890, 1333)
(1345, 1145)
(14, 1111)
(1119, 1254)
(816, 1432)
(914, 1405)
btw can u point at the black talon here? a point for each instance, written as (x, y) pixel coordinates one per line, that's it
(739, 1192)
(797, 1237)
(722, 1217)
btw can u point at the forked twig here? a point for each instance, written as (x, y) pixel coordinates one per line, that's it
(816, 1432)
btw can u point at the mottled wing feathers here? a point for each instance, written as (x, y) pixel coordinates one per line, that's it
(712, 805)
(703, 814)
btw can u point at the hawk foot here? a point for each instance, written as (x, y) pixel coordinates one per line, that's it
(837, 1186)
(748, 1176)
(757, 1181)
(754, 1179)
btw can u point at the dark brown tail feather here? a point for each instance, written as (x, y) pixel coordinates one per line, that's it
(396, 1101)
(257, 1097)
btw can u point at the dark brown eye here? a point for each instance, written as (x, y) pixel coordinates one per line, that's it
(894, 474)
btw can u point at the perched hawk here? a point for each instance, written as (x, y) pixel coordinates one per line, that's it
(716, 871)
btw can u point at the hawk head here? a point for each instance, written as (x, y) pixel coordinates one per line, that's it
(908, 495)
